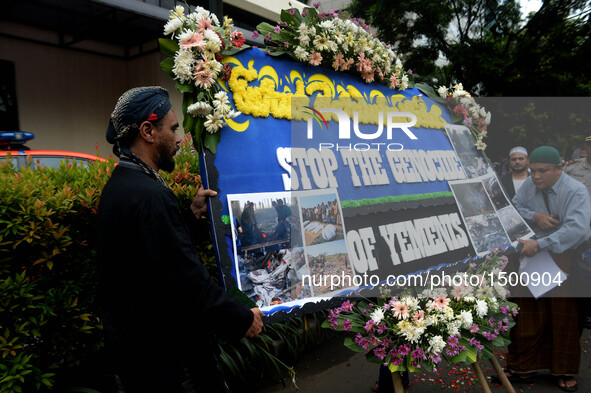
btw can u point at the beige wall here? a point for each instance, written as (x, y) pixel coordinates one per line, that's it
(65, 97)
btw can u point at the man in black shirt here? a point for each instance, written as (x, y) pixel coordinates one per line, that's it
(160, 306)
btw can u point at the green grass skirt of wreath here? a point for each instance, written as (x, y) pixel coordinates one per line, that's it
(395, 199)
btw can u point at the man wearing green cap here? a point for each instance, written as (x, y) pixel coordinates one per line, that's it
(558, 208)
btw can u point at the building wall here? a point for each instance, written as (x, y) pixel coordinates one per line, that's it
(65, 97)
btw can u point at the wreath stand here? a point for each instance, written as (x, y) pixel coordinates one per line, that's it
(399, 388)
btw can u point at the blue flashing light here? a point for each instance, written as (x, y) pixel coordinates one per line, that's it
(15, 137)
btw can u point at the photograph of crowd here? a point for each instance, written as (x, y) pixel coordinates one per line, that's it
(472, 161)
(328, 260)
(275, 277)
(495, 192)
(322, 218)
(264, 221)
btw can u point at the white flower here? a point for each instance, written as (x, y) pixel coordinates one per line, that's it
(411, 302)
(480, 145)
(327, 25)
(481, 308)
(501, 291)
(302, 29)
(404, 82)
(466, 319)
(172, 26)
(439, 292)
(321, 42)
(199, 109)
(459, 86)
(377, 315)
(213, 41)
(493, 303)
(484, 291)
(214, 122)
(453, 328)
(436, 344)
(304, 39)
(301, 54)
(398, 65)
(442, 91)
(459, 93)
(178, 12)
(487, 118)
(467, 101)
(221, 99)
(469, 299)
(214, 19)
(183, 65)
(232, 114)
(411, 332)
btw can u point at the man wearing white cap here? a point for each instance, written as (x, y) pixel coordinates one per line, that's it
(519, 164)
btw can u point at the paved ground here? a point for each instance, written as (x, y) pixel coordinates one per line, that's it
(333, 368)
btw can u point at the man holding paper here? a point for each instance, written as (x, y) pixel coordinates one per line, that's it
(547, 334)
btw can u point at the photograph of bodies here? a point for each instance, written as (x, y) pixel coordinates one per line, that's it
(328, 260)
(322, 219)
(472, 161)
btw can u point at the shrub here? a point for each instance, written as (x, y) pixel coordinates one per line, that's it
(49, 319)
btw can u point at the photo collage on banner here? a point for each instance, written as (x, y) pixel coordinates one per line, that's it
(490, 218)
(287, 244)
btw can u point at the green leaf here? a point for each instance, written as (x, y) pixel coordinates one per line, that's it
(265, 28)
(349, 343)
(167, 46)
(211, 141)
(184, 87)
(293, 20)
(233, 50)
(167, 65)
(430, 92)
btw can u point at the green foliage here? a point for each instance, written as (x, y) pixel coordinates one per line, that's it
(49, 320)
(488, 45)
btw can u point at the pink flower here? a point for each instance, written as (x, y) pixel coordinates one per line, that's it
(268, 37)
(441, 302)
(367, 76)
(418, 315)
(400, 310)
(204, 24)
(305, 12)
(203, 77)
(255, 34)
(315, 58)
(277, 29)
(393, 82)
(346, 65)
(196, 40)
(338, 61)
(316, 5)
(292, 11)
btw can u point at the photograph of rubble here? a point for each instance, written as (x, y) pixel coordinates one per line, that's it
(330, 268)
(275, 277)
(321, 218)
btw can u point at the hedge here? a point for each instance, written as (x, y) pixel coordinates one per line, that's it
(49, 320)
